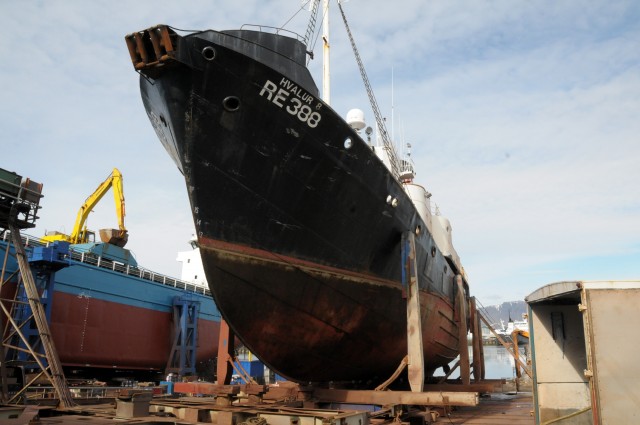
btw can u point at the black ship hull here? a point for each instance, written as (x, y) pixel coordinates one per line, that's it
(298, 221)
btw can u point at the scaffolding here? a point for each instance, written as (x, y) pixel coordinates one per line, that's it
(24, 310)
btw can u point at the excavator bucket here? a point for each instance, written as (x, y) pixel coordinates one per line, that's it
(115, 237)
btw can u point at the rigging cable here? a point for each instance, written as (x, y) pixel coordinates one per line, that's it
(310, 27)
(294, 15)
(393, 157)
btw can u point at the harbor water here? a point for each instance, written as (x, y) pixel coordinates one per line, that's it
(498, 363)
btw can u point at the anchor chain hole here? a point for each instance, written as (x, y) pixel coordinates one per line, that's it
(231, 103)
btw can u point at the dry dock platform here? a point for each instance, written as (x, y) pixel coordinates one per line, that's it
(495, 409)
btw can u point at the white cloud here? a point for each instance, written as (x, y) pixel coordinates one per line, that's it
(522, 117)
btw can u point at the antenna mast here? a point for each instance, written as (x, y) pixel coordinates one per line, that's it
(326, 81)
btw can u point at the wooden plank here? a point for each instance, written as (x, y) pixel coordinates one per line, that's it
(461, 319)
(476, 332)
(415, 367)
(515, 410)
(434, 398)
(481, 387)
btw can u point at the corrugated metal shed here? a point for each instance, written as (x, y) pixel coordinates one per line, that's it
(584, 341)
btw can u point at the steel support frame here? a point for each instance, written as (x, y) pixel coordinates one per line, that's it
(51, 366)
(182, 358)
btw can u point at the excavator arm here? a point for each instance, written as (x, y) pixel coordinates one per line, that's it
(79, 234)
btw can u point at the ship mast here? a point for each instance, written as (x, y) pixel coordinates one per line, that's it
(326, 91)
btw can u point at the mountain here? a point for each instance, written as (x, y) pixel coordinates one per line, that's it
(515, 309)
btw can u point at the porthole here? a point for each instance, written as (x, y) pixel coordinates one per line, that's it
(392, 201)
(231, 103)
(209, 53)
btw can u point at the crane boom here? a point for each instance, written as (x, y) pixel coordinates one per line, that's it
(80, 234)
(391, 150)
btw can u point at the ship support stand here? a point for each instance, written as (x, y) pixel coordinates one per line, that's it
(182, 358)
(423, 402)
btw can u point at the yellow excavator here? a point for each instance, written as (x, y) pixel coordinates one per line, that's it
(80, 233)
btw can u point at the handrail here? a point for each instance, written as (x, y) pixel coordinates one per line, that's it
(273, 30)
(115, 266)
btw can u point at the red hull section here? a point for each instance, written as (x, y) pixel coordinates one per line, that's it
(97, 333)
(89, 332)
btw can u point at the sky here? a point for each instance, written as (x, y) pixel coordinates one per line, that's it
(523, 116)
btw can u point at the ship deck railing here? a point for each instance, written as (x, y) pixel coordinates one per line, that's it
(98, 261)
(273, 30)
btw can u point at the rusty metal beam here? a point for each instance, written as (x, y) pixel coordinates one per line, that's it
(435, 398)
(142, 51)
(150, 47)
(225, 353)
(161, 40)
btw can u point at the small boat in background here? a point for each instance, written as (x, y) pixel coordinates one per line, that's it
(522, 326)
